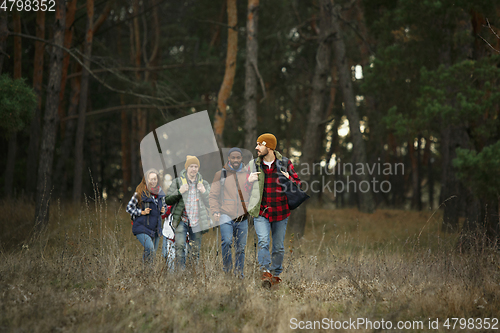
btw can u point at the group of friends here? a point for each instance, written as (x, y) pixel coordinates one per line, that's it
(238, 192)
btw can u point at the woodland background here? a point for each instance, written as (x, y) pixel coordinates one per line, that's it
(361, 81)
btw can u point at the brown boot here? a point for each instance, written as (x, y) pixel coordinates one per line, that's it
(276, 280)
(267, 279)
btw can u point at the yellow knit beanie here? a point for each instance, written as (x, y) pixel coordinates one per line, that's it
(191, 160)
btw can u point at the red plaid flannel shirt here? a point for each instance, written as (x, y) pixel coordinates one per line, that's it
(274, 204)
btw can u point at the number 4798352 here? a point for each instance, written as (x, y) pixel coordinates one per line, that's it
(28, 5)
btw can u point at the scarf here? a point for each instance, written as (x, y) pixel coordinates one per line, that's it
(155, 190)
(231, 167)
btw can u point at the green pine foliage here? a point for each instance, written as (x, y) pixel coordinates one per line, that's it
(17, 104)
(414, 39)
(480, 171)
(466, 93)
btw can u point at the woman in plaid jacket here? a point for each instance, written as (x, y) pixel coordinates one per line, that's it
(145, 209)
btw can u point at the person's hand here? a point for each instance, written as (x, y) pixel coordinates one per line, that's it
(162, 211)
(216, 217)
(146, 211)
(184, 188)
(201, 188)
(253, 177)
(286, 174)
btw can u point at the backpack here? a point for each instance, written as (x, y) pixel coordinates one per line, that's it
(168, 230)
(295, 195)
(223, 176)
(200, 181)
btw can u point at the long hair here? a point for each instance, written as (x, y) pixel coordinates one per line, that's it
(142, 188)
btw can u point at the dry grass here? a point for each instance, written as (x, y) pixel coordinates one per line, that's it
(85, 275)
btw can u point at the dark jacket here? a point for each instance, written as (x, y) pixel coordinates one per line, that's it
(151, 223)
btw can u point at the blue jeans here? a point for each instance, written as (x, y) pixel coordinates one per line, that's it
(180, 245)
(278, 229)
(150, 246)
(238, 230)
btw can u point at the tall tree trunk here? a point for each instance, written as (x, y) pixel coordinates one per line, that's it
(155, 50)
(94, 150)
(104, 16)
(4, 33)
(429, 160)
(312, 136)
(134, 152)
(333, 121)
(17, 46)
(125, 132)
(125, 141)
(11, 160)
(416, 202)
(11, 155)
(453, 194)
(139, 125)
(227, 83)
(419, 173)
(82, 108)
(366, 202)
(67, 127)
(68, 36)
(251, 75)
(67, 143)
(44, 181)
(293, 115)
(34, 144)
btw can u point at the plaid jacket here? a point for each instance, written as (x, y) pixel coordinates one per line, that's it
(134, 210)
(190, 213)
(274, 203)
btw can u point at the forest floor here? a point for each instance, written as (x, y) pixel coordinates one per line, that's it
(351, 270)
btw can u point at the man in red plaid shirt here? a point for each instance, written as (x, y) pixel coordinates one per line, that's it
(269, 204)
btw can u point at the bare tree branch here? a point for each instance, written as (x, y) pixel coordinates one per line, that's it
(489, 44)
(136, 106)
(355, 30)
(491, 28)
(131, 17)
(235, 28)
(70, 52)
(139, 69)
(260, 80)
(494, 33)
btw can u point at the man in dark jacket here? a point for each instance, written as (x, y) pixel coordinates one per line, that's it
(189, 193)
(228, 206)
